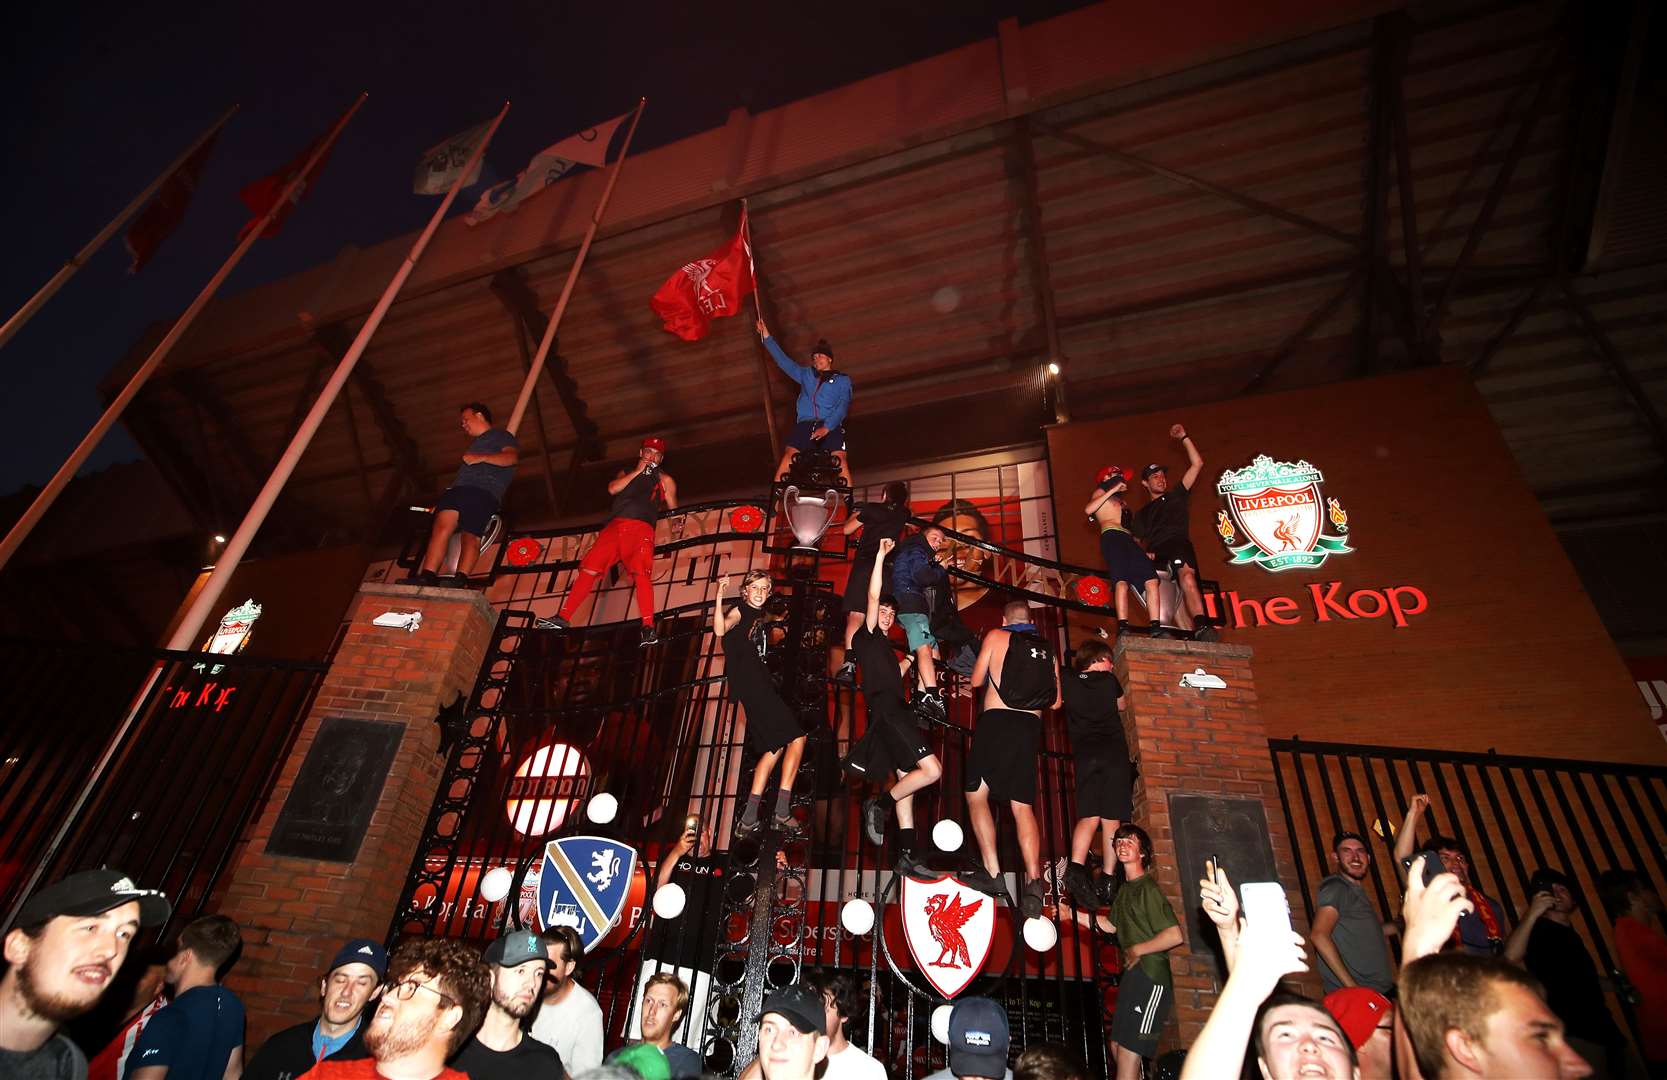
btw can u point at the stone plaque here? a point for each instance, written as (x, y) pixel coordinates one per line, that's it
(329, 809)
(1233, 829)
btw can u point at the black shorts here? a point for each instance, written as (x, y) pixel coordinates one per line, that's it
(1124, 559)
(475, 507)
(894, 742)
(1105, 786)
(1166, 553)
(799, 438)
(1005, 743)
(1142, 1008)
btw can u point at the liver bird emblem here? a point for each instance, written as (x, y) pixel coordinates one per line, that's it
(945, 916)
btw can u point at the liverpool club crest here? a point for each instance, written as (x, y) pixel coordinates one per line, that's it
(1279, 508)
(949, 928)
(583, 884)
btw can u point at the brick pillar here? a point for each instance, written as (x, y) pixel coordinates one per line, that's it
(1197, 742)
(295, 912)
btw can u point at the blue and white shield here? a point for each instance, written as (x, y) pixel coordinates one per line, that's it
(583, 884)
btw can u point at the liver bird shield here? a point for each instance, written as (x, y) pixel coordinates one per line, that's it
(949, 928)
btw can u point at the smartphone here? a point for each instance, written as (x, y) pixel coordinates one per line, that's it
(1432, 864)
(1215, 867)
(691, 824)
(1265, 905)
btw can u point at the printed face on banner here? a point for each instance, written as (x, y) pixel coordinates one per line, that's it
(584, 883)
(949, 928)
(1279, 507)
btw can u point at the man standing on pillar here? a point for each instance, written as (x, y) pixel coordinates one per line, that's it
(468, 505)
(1126, 564)
(1162, 526)
(824, 399)
(1015, 677)
(639, 497)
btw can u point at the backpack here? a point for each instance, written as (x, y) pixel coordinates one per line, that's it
(1027, 675)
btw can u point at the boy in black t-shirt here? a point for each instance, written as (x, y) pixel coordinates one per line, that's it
(1100, 757)
(893, 743)
(1162, 525)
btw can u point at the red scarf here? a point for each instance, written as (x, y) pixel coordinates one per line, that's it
(1484, 911)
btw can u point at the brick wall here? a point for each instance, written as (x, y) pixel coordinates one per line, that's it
(1199, 742)
(295, 913)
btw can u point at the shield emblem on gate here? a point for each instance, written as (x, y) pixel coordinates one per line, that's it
(1279, 508)
(949, 928)
(583, 884)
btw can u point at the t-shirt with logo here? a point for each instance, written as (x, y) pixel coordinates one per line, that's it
(55, 1059)
(1141, 912)
(688, 940)
(1164, 518)
(1091, 713)
(492, 478)
(194, 1036)
(1358, 936)
(530, 1059)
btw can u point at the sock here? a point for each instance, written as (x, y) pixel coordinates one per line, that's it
(906, 838)
(784, 799)
(750, 814)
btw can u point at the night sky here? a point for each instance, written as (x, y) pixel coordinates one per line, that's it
(102, 97)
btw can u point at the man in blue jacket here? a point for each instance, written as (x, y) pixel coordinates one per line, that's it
(824, 399)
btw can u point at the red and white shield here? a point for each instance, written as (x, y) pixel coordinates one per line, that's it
(949, 928)
(1280, 519)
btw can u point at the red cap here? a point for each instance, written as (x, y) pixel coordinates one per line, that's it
(1110, 471)
(654, 442)
(1358, 1010)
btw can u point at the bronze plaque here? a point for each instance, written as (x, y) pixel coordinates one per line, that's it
(1209, 826)
(329, 809)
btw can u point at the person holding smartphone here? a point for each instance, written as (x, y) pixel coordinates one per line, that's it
(1482, 930)
(1147, 928)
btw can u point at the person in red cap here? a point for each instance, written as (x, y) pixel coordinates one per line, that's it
(1126, 564)
(1368, 1019)
(640, 496)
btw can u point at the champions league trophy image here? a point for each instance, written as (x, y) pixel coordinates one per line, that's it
(809, 515)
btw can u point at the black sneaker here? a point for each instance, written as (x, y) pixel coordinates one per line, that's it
(930, 704)
(1080, 885)
(1203, 631)
(1106, 888)
(1162, 633)
(1123, 627)
(846, 675)
(553, 622)
(745, 831)
(786, 823)
(910, 866)
(982, 880)
(874, 821)
(1030, 899)
(649, 636)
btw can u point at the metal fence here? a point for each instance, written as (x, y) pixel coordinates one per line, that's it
(1514, 814)
(175, 789)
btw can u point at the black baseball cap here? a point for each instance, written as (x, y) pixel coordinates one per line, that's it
(93, 892)
(978, 1038)
(800, 1005)
(1146, 473)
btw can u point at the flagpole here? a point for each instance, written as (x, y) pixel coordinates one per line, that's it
(763, 368)
(572, 277)
(66, 472)
(67, 271)
(185, 636)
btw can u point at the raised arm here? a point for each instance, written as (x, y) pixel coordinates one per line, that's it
(721, 622)
(1221, 906)
(1265, 955)
(1195, 460)
(1516, 946)
(871, 617)
(795, 371)
(1407, 839)
(668, 865)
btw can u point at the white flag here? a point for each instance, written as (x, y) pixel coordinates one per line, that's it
(588, 147)
(440, 164)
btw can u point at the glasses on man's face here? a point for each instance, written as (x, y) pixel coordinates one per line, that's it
(404, 991)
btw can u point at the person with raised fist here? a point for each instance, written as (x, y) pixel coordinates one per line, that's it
(1162, 525)
(824, 399)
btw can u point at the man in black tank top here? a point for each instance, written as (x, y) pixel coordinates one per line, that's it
(639, 497)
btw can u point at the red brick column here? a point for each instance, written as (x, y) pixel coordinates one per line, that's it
(295, 913)
(1197, 742)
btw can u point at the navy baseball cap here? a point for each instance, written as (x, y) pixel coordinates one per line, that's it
(978, 1038)
(1146, 473)
(93, 892)
(362, 951)
(515, 949)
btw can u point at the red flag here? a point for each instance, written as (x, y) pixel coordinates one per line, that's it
(262, 194)
(159, 219)
(707, 288)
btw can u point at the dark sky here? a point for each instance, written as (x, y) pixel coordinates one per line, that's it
(102, 96)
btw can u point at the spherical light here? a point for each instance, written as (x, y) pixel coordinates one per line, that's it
(947, 835)
(1053, 368)
(603, 808)
(669, 900)
(857, 916)
(1040, 934)
(946, 299)
(494, 884)
(940, 1024)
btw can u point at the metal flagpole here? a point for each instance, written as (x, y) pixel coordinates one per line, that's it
(572, 276)
(66, 472)
(67, 271)
(191, 625)
(758, 309)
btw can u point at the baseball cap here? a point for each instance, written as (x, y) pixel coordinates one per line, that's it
(1113, 473)
(93, 892)
(1357, 1010)
(801, 1005)
(516, 948)
(654, 442)
(978, 1038)
(1146, 473)
(645, 1059)
(362, 951)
